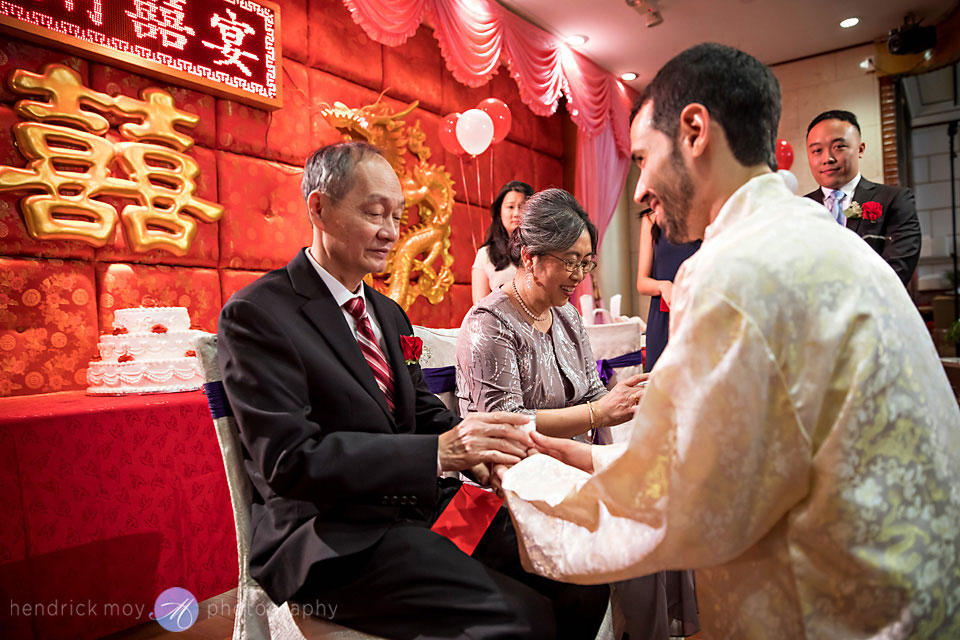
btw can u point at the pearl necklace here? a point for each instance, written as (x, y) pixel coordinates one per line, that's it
(524, 306)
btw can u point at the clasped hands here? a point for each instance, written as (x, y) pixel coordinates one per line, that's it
(488, 444)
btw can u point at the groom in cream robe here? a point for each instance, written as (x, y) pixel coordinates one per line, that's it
(798, 444)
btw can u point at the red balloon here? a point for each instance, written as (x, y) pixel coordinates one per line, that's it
(448, 134)
(784, 154)
(499, 112)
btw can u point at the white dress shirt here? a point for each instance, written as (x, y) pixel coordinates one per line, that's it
(343, 295)
(848, 190)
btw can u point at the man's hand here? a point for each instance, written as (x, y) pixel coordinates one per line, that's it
(481, 473)
(495, 438)
(496, 478)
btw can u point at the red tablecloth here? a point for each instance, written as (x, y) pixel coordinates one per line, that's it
(104, 503)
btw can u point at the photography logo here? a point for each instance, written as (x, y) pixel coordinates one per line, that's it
(176, 609)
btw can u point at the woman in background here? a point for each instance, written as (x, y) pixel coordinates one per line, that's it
(492, 266)
(659, 261)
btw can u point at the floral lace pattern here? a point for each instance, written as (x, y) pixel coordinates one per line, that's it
(798, 445)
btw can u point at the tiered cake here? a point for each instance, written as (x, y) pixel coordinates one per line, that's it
(151, 350)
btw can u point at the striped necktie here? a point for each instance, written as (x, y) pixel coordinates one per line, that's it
(835, 205)
(371, 350)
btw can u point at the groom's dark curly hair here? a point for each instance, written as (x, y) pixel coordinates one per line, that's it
(739, 91)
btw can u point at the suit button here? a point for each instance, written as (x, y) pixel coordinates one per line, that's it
(413, 499)
(394, 499)
(404, 501)
(384, 500)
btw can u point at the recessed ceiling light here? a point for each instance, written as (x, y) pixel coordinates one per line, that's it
(576, 41)
(850, 22)
(629, 76)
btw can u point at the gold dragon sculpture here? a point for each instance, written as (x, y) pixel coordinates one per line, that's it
(420, 262)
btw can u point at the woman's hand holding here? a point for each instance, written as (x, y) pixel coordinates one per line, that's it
(619, 404)
(666, 292)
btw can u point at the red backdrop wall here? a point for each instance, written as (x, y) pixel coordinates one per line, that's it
(57, 297)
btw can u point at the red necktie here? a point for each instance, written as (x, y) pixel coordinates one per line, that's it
(371, 350)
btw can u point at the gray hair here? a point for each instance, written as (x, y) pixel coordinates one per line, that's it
(552, 221)
(329, 170)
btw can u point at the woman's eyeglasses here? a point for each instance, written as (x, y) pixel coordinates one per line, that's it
(584, 266)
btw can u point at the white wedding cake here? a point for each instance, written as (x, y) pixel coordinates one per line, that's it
(151, 350)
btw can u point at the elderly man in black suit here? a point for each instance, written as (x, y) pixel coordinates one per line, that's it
(885, 217)
(344, 443)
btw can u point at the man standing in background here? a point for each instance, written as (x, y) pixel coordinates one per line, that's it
(885, 217)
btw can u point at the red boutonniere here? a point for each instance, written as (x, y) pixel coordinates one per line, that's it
(412, 347)
(871, 211)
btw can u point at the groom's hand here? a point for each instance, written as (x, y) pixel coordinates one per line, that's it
(570, 452)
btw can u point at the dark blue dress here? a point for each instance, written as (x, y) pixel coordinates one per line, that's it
(667, 258)
(663, 604)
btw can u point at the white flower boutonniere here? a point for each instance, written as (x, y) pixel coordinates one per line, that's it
(854, 210)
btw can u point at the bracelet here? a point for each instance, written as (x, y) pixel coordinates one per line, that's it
(590, 409)
(601, 419)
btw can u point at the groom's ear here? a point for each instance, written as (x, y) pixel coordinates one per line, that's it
(695, 129)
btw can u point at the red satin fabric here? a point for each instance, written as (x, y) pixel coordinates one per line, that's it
(108, 501)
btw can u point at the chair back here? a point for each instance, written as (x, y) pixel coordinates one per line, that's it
(439, 351)
(256, 616)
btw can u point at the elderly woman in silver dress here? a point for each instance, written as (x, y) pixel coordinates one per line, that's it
(523, 348)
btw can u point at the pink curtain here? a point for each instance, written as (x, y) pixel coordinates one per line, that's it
(393, 21)
(601, 173)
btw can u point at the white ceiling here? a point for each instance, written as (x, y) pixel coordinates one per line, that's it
(772, 30)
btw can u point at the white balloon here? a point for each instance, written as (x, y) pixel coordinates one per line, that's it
(790, 180)
(474, 131)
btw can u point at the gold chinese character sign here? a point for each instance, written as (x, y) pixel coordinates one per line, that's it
(423, 249)
(73, 165)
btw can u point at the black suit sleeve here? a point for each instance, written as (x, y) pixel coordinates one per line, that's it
(902, 248)
(301, 451)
